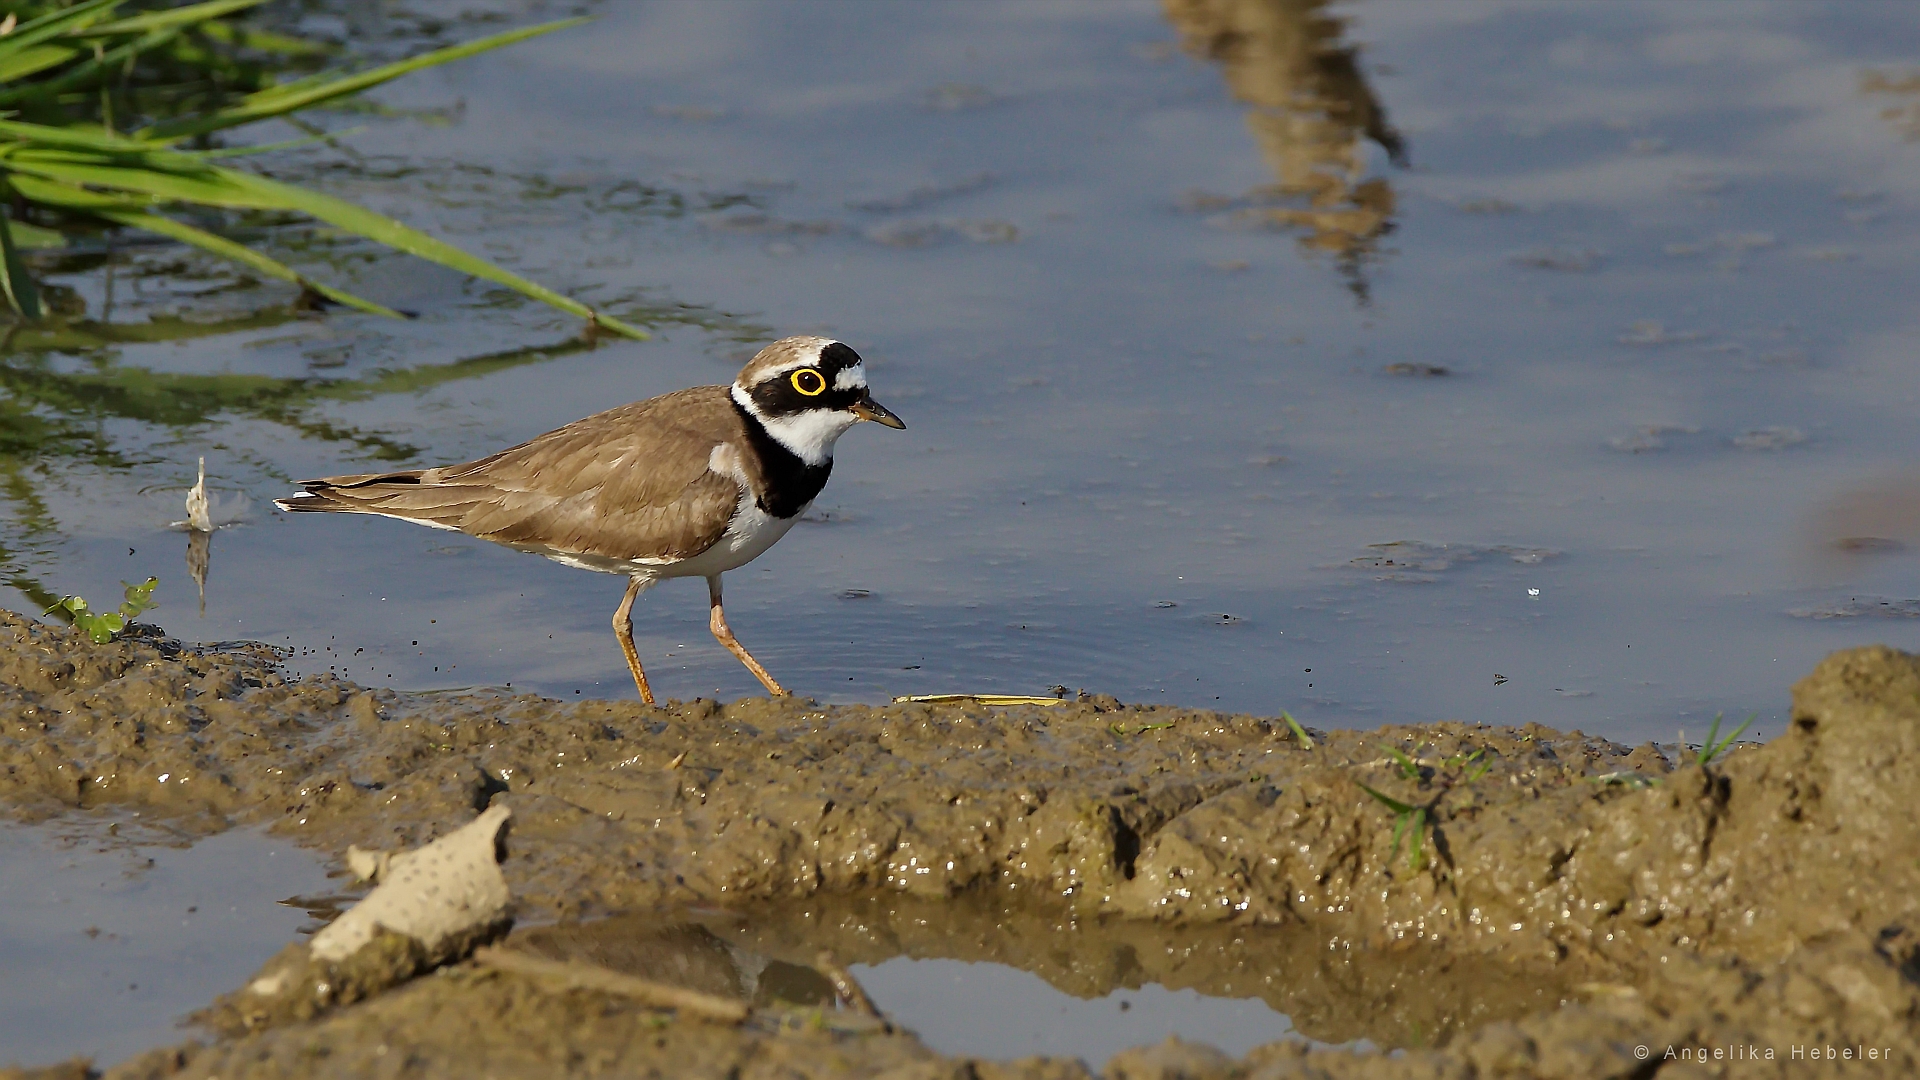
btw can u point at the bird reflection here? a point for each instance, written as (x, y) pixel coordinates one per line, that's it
(199, 556)
(199, 526)
(1312, 115)
(1862, 523)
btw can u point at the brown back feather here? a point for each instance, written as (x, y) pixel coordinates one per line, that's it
(628, 483)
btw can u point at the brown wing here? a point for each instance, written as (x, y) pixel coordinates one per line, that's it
(628, 483)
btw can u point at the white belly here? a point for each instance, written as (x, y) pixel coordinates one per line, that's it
(751, 532)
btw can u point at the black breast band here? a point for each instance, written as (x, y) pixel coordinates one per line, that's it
(788, 483)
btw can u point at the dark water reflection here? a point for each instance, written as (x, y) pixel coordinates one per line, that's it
(1212, 400)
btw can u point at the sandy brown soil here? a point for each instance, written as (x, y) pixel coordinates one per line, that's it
(1570, 900)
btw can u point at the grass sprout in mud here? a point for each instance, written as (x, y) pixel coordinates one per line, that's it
(73, 77)
(1715, 746)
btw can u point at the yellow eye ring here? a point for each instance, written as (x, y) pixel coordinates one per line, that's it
(809, 382)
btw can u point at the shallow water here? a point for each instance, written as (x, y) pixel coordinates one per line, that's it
(1000, 1012)
(107, 945)
(979, 976)
(1157, 436)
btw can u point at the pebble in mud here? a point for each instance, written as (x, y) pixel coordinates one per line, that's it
(1770, 897)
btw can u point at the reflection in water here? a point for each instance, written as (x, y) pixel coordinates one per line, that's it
(1312, 114)
(199, 557)
(1865, 522)
(1904, 110)
(1232, 978)
(53, 412)
(62, 389)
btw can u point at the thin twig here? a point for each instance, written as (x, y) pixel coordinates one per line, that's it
(575, 975)
(846, 986)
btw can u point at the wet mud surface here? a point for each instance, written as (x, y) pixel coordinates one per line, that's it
(1469, 900)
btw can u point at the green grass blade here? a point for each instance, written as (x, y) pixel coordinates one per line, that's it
(1715, 747)
(168, 19)
(81, 74)
(35, 238)
(55, 23)
(69, 197)
(204, 187)
(240, 253)
(1408, 769)
(268, 148)
(179, 177)
(364, 222)
(22, 297)
(249, 37)
(307, 93)
(1712, 733)
(1298, 731)
(35, 59)
(90, 137)
(1389, 801)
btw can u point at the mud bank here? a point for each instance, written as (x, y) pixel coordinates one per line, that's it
(1492, 902)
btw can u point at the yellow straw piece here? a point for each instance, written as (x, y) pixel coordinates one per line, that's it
(979, 699)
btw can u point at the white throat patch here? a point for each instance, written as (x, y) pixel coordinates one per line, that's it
(810, 435)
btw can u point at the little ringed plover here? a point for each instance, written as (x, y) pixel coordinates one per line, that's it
(688, 484)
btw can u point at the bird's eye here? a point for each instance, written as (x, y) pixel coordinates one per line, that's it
(809, 382)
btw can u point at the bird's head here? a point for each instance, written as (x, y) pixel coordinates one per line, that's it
(807, 391)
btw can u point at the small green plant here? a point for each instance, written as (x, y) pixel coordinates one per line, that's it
(1409, 769)
(1409, 822)
(105, 626)
(1626, 778)
(1715, 746)
(81, 163)
(1306, 741)
(1121, 729)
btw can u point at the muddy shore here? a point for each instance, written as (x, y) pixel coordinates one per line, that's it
(1531, 903)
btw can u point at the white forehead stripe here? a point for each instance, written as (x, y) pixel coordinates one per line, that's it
(851, 378)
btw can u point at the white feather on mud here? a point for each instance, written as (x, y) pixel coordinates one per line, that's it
(433, 905)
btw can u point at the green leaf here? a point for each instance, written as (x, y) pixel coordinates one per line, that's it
(102, 627)
(69, 197)
(1298, 731)
(32, 61)
(1391, 803)
(72, 605)
(80, 74)
(186, 15)
(15, 282)
(249, 37)
(240, 253)
(139, 597)
(184, 178)
(1408, 769)
(89, 137)
(307, 93)
(268, 148)
(1714, 746)
(53, 24)
(364, 222)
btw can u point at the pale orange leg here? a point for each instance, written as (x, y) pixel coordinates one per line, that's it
(717, 622)
(623, 629)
